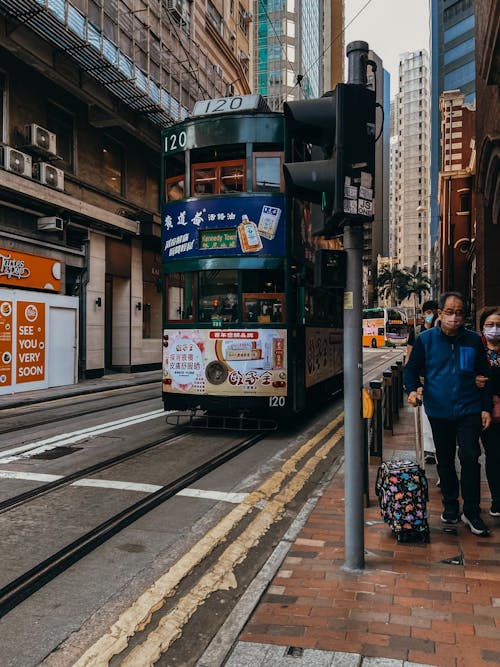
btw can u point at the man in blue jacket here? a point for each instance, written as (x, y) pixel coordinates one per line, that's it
(449, 357)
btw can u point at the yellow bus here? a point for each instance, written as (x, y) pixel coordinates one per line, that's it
(384, 327)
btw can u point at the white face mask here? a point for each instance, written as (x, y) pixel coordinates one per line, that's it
(492, 332)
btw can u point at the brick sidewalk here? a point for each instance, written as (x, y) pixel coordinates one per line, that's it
(437, 603)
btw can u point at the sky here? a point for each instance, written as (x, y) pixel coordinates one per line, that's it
(390, 27)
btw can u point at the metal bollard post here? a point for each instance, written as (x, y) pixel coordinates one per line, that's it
(396, 381)
(388, 411)
(376, 425)
(401, 387)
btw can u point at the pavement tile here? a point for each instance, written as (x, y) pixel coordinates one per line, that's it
(413, 604)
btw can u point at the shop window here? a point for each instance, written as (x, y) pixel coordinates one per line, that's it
(180, 293)
(61, 122)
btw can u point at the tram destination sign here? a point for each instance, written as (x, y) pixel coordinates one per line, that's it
(227, 105)
(210, 239)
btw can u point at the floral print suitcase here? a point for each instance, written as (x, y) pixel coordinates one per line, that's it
(402, 492)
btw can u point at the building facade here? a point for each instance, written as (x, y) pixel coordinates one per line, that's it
(456, 198)
(488, 154)
(85, 88)
(412, 162)
(453, 68)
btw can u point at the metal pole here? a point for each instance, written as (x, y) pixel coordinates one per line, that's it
(357, 55)
(353, 381)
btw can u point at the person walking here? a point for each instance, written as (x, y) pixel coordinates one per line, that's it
(489, 326)
(449, 357)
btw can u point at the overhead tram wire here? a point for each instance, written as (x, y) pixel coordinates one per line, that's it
(322, 54)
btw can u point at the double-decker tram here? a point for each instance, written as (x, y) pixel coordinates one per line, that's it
(246, 331)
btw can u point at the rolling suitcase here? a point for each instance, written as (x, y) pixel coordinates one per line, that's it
(402, 491)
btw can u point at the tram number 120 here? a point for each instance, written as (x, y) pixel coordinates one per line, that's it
(276, 401)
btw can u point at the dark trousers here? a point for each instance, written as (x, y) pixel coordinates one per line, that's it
(447, 434)
(491, 444)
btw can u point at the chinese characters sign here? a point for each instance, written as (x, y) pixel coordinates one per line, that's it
(212, 226)
(5, 343)
(241, 362)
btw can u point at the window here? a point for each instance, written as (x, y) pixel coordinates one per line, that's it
(212, 178)
(180, 293)
(3, 104)
(267, 172)
(459, 28)
(218, 296)
(464, 203)
(174, 188)
(215, 18)
(463, 49)
(112, 166)
(61, 123)
(460, 76)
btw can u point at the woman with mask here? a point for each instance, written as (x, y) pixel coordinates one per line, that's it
(489, 325)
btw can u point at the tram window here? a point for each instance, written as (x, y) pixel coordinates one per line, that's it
(218, 178)
(263, 281)
(232, 178)
(204, 180)
(179, 302)
(174, 189)
(218, 296)
(267, 172)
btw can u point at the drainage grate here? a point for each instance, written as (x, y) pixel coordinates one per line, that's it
(294, 652)
(55, 453)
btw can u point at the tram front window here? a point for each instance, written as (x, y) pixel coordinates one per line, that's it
(267, 170)
(218, 296)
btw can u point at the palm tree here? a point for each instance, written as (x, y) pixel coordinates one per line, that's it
(414, 282)
(389, 283)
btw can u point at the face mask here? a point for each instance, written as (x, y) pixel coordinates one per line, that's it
(492, 333)
(451, 321)
(428, 319)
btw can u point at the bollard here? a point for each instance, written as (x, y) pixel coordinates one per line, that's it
(387, 401)
(396, 382)
(376, 423)
(401, 386)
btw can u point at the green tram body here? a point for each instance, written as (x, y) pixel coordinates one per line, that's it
(245, 331)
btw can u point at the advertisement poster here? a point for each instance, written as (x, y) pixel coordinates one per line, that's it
(219, 362)
(30, 348)
(324, 354)
(5, 343)
(20, 269)
(224, 226)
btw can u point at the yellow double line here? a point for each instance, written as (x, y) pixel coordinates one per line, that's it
(220, 576)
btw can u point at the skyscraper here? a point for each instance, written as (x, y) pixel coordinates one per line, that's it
(411, 182)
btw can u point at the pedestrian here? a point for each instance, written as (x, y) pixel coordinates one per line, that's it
(429, 316)
(449, 357)
(489, 326)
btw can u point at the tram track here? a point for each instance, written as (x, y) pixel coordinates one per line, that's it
(26, 584)
(16, 413)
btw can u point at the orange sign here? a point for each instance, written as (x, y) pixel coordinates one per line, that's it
(30, 341)
(19, 269)
(5, 343)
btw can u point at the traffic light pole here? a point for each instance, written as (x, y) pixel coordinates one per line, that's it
(357, 54)
(353, 380)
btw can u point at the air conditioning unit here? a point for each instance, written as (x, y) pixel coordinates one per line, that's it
(217, 69)
(39, 137)
(14, 160)
(246, 16)
(244, 55)
(50, 224)
(49, 175)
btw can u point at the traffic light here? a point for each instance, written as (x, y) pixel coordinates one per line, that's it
(340, 128)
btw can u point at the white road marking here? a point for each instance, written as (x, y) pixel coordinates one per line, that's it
(126, 486)
(24, 451)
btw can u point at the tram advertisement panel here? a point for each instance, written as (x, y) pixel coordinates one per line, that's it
(224, 226)
(324, 354)
(242, 362)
